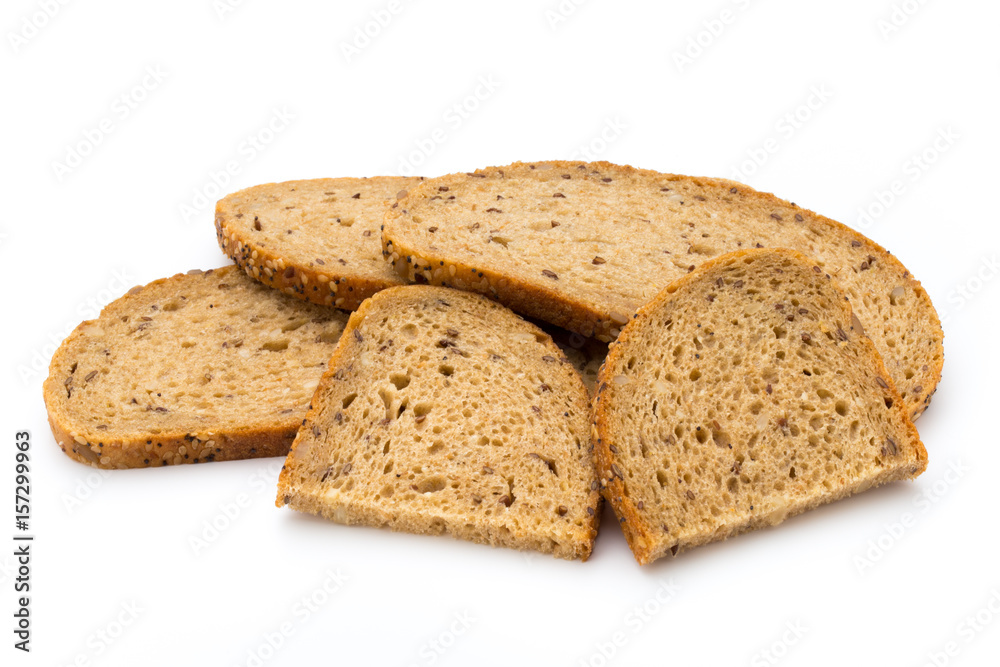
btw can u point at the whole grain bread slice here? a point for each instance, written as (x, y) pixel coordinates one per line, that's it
(584, 245)
(204, 366)
(739, 396)
(443, 412)
(317, 239)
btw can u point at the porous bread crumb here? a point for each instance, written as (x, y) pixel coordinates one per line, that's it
(445, 413)
(740, 396)
(204, 366)
(587, 260)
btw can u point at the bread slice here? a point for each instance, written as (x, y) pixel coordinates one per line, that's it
(445, 413)
(739, 396)
(584, 245)
(317, 240)
(207, 366)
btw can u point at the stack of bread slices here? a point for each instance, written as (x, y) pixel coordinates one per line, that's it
(491, 355)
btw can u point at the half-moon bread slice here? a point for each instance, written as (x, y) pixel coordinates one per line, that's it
(443, 412)
(739, 396)
(204, 366)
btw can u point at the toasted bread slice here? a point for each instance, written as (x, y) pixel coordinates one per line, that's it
(204, 366)
(739, 396)
(443, 412)
(584, 245)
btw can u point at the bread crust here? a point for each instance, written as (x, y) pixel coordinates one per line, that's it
(308, 282)
(371, 516)
(560, 308)
(170, 447)
(640, 535)
(173, 448)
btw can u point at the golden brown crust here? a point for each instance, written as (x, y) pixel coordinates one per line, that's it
(326, 285)
(638, 533)
(561, 309)
(175, 448)
(360, 515)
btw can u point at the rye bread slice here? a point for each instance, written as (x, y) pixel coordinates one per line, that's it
(739, 396)
(584, 245)
(443, 412)
(204, 366)
(317, 240)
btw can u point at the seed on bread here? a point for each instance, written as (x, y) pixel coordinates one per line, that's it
(826, 425)
(444, 440)
(234, 366)
(545, 266)
(338, 216)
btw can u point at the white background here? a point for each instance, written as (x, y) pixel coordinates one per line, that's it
(75, 238)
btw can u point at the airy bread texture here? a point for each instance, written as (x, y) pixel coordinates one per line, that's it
(739, 396)
(317, 240)
(584, 245)
(445, 413)
(207, 366)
